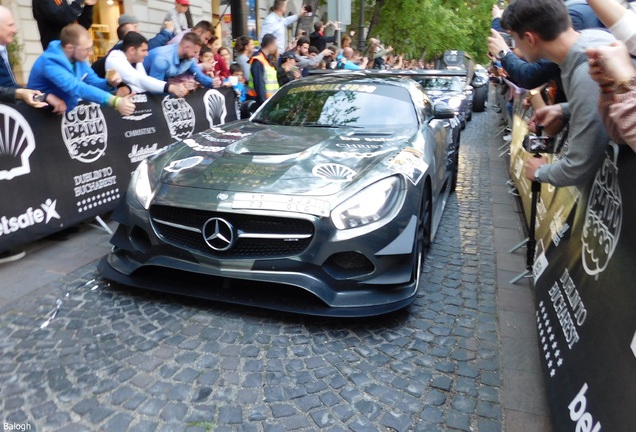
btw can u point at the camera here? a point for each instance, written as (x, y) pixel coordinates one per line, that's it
(539, 143)
(39, 97)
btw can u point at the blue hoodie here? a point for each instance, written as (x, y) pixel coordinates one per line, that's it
(53, 73)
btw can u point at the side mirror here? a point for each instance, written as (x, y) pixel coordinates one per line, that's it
(443, 111)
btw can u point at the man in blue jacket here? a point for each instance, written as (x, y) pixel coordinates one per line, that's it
(178, 60)
(64, 71)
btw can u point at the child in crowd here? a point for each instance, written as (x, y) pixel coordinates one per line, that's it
(206, 61)
(237, 81)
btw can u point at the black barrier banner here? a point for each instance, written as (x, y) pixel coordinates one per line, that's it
(585, 283)
(56, 171)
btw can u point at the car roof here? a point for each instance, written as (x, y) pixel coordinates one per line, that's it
(357, 77)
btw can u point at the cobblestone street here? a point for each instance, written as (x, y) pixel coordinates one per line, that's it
(80, 354)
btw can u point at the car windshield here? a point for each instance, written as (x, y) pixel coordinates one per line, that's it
(448, 84)
(340, 105)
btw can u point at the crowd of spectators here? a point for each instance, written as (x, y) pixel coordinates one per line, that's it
(576, 55)
(177, 59)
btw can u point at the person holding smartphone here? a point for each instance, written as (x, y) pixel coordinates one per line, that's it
(276, 23)
(288, 70)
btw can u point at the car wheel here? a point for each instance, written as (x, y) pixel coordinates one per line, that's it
(479, 102)
(463, 124)
(423, 233)
(469, 115)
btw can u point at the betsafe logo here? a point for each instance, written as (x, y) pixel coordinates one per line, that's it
(31, 216)
(580, 414)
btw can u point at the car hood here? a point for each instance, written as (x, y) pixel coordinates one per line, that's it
(249, 157)
(437, 94)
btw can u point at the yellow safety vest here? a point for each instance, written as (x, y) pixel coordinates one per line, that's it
(271, 77)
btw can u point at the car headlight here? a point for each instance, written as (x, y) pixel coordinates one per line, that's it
(454, 102)
(140, 184)
(367, 206)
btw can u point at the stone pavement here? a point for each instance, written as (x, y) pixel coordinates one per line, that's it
(77, 353)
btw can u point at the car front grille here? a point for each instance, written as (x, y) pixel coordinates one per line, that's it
(255, 236)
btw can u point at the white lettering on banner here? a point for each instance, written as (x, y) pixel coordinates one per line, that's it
(93, 181)
(96, 185)
(30, 217)
(558, 227)
(85, 133)
(140, 98)
(16, 144)
(179, 116)
(137, 154)
(571, 313)
(541, 261)
(580, 415)
(138, 132)
(140, 113)
(603, 218)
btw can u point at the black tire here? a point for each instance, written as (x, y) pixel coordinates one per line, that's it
(479, 101)
(469, 115)
(423, 239)
(463, 124)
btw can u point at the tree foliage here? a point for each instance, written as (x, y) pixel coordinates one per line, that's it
(426, 28)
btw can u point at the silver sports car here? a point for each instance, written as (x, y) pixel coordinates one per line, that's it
(323, 202)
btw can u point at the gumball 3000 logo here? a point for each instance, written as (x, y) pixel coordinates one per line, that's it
(603, 219)
(179, 116)
(85, 133)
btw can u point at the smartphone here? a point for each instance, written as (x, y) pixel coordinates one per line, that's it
(39, 97)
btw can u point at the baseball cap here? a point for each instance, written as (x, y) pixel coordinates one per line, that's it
(288, 55)
(127, 19)
(184, 2)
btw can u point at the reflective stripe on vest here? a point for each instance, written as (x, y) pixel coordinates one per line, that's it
(271, 77)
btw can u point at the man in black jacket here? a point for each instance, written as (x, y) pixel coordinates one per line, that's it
(318, 38)
(13, 94)
(53, 15)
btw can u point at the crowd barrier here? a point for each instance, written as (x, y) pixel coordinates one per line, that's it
(585, 289)
(57, 171)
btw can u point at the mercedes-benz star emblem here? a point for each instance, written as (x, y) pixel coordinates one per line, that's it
(218, 234)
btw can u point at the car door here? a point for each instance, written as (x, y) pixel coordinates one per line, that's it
(437, 138)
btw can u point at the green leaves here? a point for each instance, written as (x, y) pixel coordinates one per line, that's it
(415, 27)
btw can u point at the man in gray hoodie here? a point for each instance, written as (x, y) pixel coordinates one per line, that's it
(543, 29)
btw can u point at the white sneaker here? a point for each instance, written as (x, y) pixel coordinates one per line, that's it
(12, 255)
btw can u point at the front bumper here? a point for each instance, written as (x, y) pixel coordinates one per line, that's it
(309, 282)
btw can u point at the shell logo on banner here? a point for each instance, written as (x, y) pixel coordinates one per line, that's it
(16, 144)
(214, 107)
